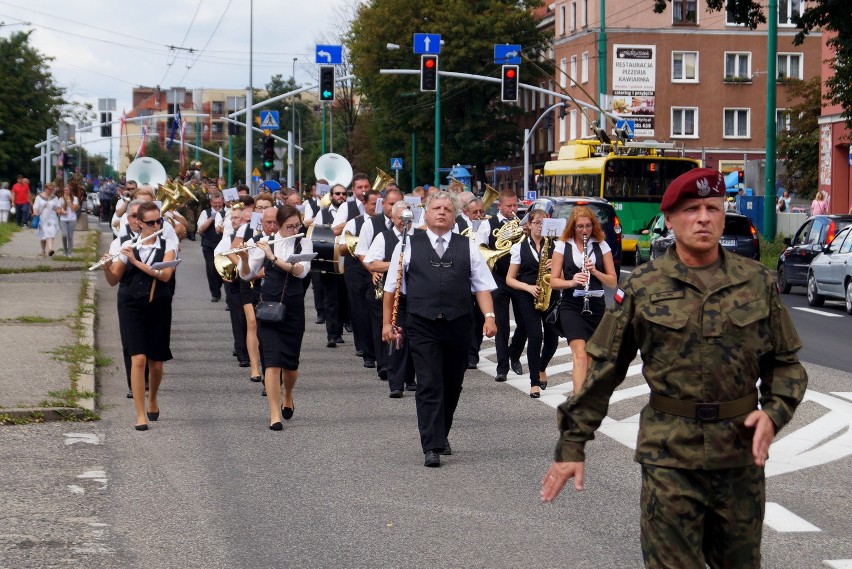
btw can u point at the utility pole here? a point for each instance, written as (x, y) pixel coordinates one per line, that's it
(602, 64)
(249, 102)
(771, 74)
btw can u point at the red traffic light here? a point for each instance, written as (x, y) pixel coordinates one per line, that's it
(510, 73)
(429, 63)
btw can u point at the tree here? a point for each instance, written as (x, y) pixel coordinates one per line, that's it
(30, 103)
(799, 146)
(825, 15)
(476, 128)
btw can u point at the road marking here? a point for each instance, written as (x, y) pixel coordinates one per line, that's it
(820, 312)
(783, 520)
(76, 489)
(91, 438)
(839, 563)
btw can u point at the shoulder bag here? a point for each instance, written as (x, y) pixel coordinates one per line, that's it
(269, 310)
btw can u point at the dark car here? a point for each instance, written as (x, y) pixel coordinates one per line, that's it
(814, 234)
(561, 207)
(739, 237)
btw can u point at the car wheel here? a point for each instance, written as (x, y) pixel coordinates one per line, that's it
(782, 281)
(638, 260)
(849, 296)
(814, 297)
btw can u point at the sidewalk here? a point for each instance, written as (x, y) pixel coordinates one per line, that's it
(40, 299)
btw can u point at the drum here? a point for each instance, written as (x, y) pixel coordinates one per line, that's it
(328, 259)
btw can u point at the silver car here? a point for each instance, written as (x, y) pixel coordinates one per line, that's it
(830, 273)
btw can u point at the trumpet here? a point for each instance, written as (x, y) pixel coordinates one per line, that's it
(135, 242)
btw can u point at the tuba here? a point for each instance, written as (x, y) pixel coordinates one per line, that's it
(351, 243)
(146, 171)
(489, 197)
(334, 168)
(508, 235)
(382, 180)
(542, 281)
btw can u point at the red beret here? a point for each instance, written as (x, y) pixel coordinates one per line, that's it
(697, 183)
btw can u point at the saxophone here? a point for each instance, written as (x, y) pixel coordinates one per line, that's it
(542, 302)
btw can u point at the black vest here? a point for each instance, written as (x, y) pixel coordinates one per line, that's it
(351, 263)
(379, 225)
(502, 265)
(210, 237)
(353, 210)
(441, 291)
(136, 284)
(276, 279)
(326, 216)
(391, 241)
(461, 222)
(528, 270)
(314, 205)
(569, 268)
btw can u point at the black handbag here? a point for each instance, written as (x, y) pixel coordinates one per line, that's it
(552, 319)
(270, 310)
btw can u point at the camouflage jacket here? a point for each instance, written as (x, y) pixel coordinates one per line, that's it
(696, 345)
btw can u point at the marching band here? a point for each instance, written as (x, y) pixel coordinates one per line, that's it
(421, 281)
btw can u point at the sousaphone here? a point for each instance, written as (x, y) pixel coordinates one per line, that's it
(334, 168)
(146, 170)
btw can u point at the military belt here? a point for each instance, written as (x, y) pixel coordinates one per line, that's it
(713, 411)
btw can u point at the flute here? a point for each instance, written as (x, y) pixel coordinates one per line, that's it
(238, 250)
(133, 243)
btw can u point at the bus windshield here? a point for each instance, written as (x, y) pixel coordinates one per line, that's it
(641, 179)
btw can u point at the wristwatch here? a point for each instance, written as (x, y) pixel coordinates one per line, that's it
(490, 315)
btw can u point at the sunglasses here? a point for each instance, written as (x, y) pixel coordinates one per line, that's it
(153, 222)
(339, 193)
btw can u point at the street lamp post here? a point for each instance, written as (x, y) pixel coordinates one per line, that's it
(292, 125)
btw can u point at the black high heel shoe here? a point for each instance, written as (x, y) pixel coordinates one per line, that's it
(153, 415)
(535, 394)
(287, 413)
(142, 427)
(276, 426)
(542, 385)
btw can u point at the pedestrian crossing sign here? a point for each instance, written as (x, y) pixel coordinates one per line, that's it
(269, 120)
(396, 163)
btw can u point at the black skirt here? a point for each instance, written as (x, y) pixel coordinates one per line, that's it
(575, 324)
(146, 327)
(249, 294)
(281, 342)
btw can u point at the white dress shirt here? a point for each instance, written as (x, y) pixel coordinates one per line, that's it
(168, 233)
(577, 254)
(377, 249)
(342, 213)
(366, 237)
(146, 251)
(480, 277)
(281, 248)
(483, 234)
(216, 214)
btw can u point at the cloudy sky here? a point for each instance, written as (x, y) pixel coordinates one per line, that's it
(104, 48)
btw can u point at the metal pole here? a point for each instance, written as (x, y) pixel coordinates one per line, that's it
(249, 101)
(197, 137)
(230, 160)
(300, 153)
(769, 187)
(220, 160)
(602, 63)
(413, 160)
(526, 161)
(437, 180)
(290, 161)
(49, 150)
(323, 129)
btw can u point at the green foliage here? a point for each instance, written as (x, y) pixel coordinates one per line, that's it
(6, 232)
(30, 103)
(476, 128)
(771, 250)
(799, 147)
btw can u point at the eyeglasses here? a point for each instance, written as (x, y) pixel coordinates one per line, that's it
(339, 193)
(291, 226)
(153, 222)
(588, 226)
(535, 223)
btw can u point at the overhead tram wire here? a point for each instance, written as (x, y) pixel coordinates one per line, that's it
(177, 50)
(216, 29)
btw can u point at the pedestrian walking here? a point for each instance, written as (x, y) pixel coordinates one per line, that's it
(45, 207)
(67, 206)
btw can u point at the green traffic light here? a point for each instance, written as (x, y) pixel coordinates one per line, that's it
(326, 94)
(268, 165)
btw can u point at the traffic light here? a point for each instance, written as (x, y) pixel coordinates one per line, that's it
(428, 72)
(233, 129)
(106, 130)
(268, 153)
(326, 83)
(509, 90)
(740, 177)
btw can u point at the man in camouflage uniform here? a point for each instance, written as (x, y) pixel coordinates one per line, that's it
(708, 324)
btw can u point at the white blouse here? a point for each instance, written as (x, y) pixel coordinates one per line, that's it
(577, 254)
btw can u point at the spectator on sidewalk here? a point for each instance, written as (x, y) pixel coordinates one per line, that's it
(820, 205)
(45, 208)
(5, 202)
(67, 206)
(23, 201)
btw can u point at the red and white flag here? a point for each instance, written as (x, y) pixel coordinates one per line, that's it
(619, 296)
(141, 151)
(182, 147)
(122, 133)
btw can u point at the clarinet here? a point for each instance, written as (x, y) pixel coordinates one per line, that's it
(586, 310)
(407, 216)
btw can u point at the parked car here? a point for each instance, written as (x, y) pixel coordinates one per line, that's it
(807, 243)
(560, 207)
(655, 228)
(92, 203)
(739, 237)
(830, 273)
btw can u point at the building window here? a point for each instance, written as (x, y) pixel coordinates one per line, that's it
(572, 131)
(217, 108)
(236, 103)
(729, 16)
(685, 66)
(684, 122)
(584, 125)
(561, 130)
(562, 19)
(550, 96)
(563, 72)
(584, 68)
(217, 127)
(574, 69)
(738, 66)
(736, 123)
(783, 122)
(584, 13)
(573, 16)
(685, 12)
(789, 11)
(541, 96)
(789, 66)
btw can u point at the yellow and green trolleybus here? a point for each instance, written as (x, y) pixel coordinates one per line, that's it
(630, 175)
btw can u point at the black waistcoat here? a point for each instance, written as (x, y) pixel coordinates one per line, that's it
(569, 268)
(136, 284)
(442, 291)
(528, 270)
(461, 222)
(273, 283)
(210, 237)
(351, 263)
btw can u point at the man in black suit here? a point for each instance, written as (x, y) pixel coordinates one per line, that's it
(438, 325)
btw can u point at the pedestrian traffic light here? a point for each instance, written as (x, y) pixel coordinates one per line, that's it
(268, 153)
(326, 83)
(428, 72)
(509, 90)
(740, 177)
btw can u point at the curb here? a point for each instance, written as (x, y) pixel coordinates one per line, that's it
(86, 380)
(44, 414)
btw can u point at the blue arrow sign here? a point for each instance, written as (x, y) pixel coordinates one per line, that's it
(427, 43)
(532, 195)
(329, 54)
(269, 120)
(396, 163)
(626, 124)
(506, 54)
(502, 168)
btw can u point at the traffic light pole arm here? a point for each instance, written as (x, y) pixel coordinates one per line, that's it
(116, 121)
(289, 94)
(255, 129)
(549, 109)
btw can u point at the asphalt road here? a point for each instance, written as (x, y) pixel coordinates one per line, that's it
(343, 484)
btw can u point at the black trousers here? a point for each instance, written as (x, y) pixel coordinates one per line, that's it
(476, 334)
(214, 281)
(333, 289)
(399, 362)
(505, 349)
(439, 352)
(357, 284)
(380, 348)
(238, 320)
(319, 293)
(542, 339)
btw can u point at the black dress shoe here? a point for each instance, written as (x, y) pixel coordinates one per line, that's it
(395, 394)
(535, 394)
(263, 392)
(319, 320)
(256, 378)
(338, 339)
(471, 365)
(244, 363)
(359, 353)
(501, 377)
(516, 367)
(142, 427)
(331, 343)
(448, 450)
(234, 353)
(129, 394)
(348, 327)
(153, 416)
(287, 413)
(370, 363)
(433, 459)
(276, 426)
(542, 385)
(216, 299)
(383, 373)
(411, 387)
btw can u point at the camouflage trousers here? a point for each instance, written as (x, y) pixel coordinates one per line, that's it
(695, 517)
